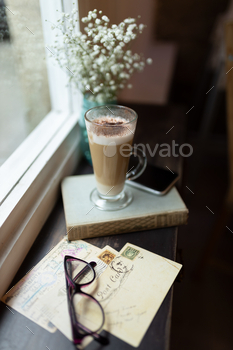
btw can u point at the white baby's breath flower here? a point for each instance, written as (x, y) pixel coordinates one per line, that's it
(90, 15)
(129, 20)
(149, 61)
(131, 27)
(84, 19)
(96, 39)
(97, 89)
(141, 27)
(108, 76)
(117, 32)
(117, 49)
(127, 39)
(136, 57)
(122, 75)
(129, 86)
(97, 21)
(114, 69)
(105, 18)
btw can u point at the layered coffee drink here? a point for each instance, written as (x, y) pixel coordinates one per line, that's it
(110, 140)
(110, 132)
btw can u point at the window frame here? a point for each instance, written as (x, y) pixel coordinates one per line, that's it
(33, 173)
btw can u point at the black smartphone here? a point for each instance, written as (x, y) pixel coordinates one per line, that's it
(155, 180)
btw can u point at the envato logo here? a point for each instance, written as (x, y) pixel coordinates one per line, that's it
(165, 150)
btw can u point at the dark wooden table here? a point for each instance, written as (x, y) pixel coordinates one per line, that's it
(14, 333)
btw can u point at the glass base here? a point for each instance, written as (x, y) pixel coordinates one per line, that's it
(112, 203)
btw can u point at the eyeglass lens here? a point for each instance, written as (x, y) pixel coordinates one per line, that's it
(79, 271)
(88, 313)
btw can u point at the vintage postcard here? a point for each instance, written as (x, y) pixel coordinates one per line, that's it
(48, 273)
(131, 291)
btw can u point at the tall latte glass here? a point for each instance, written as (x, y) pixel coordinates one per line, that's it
(110, 132)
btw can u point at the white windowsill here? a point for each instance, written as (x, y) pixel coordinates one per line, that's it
(35, 188)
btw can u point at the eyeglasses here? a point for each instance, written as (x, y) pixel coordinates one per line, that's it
(86, 313)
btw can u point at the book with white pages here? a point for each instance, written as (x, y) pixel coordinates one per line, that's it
(146, 211)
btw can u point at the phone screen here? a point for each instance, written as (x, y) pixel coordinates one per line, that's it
(159, 180)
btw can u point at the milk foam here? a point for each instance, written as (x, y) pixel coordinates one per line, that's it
(104, 134)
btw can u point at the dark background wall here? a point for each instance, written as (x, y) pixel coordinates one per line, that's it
(189, 23)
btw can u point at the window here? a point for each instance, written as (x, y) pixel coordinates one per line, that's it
(30, 177)
(23, 75)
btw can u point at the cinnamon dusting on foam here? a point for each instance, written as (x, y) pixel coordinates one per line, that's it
(110, 126)
(109, 130)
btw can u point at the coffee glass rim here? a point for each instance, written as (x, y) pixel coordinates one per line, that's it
(114, 106)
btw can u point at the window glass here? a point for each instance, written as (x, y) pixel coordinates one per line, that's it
(24, 91)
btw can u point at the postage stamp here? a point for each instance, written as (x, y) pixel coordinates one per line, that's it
(106, 256)
(130, 253)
